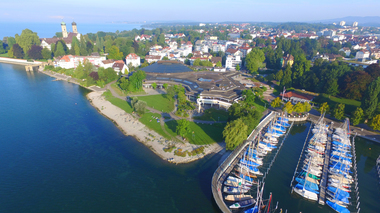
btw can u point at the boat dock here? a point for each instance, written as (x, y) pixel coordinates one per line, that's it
(323, 184)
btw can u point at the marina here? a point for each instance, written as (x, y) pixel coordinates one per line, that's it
(325, 170)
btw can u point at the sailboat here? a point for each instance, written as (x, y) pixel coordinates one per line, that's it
(306, 189)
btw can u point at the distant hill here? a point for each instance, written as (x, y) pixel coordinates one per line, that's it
(373, 21)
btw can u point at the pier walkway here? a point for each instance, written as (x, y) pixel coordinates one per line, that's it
(323, 185)
(225, 168)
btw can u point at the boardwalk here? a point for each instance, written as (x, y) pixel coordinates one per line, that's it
(323, 185)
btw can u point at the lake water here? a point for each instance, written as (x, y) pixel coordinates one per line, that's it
(48, 30)
(58, 154)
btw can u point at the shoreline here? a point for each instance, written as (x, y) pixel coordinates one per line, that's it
(131, 126)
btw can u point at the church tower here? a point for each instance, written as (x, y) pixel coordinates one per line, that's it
(64, 30)
(75, 30)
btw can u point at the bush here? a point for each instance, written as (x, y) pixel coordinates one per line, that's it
(169, 149)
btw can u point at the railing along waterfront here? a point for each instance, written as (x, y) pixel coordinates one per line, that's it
(223, 170)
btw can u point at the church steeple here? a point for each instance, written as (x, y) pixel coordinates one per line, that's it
(64, 30)
(74, 25)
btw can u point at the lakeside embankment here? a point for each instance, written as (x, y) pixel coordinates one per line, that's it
(131, 126)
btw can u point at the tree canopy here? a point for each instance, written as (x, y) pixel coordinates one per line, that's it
(235, 133)
(254, 60)
(27, 39)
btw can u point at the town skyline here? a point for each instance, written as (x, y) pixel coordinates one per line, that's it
(199, 11)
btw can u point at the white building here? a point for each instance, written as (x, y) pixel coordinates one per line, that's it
(346, 50)
(355, 24)
(119, 66)
(133, 59)
(152, 58)
(362, 54)
(232, 61)
(107, 63)
(342, 23)
(70, 61)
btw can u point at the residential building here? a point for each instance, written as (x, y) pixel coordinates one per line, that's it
(287, 60)
(342, 23)
(355, 24)
(346, 50)
(245, 49)
(152, 58)
(132, 59)
(70, 61)
(107, 63)
(375, 53)
(362, 54)
(296, 97)
(232, 61)
(119, 66)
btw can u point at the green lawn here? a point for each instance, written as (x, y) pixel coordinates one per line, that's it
(351, 105)
(203, 133)
(213, 114)
(4, 55)
(159, 102)
(118, 102)
(148, 119)
(116, 88)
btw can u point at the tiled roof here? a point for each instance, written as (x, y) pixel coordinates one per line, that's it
(297, 95)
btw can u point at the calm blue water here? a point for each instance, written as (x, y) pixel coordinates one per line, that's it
(58, 154)
(48, 30)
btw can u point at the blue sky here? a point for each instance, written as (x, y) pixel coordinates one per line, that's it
(95, 11)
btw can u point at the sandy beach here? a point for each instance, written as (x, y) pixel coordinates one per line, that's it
(133, 127)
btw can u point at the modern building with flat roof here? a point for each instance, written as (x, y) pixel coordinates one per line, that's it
(206, 87)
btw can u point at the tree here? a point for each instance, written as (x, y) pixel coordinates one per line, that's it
(375, 123)
(288, 107)
(235, 133)
(27, 39)
(332, 87)
(218, 64)
(183, 127)
(46, 53)
(11, 41)
(60, 50)
(254, 60)
(249, 97)
(324, 108)
(279, 75)
(165, 85)
(10, 53)
(357, 116)
(114, 53)
(276, 102)
(237, 67)
(123, 83)
(299, 108)
(370, 98)
(35, 52)
(140, 107)
(154, 85)
(2, 50)
(339, 111)
(286, 81)
(197, 62)
(306, 106)
(18, 52)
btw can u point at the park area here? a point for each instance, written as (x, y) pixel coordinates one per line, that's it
(159, 102)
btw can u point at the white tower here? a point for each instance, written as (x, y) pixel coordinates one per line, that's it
(64, 30)
(355, 24)
(74, 25)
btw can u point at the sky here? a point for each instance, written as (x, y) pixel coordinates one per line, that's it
(96, 11)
